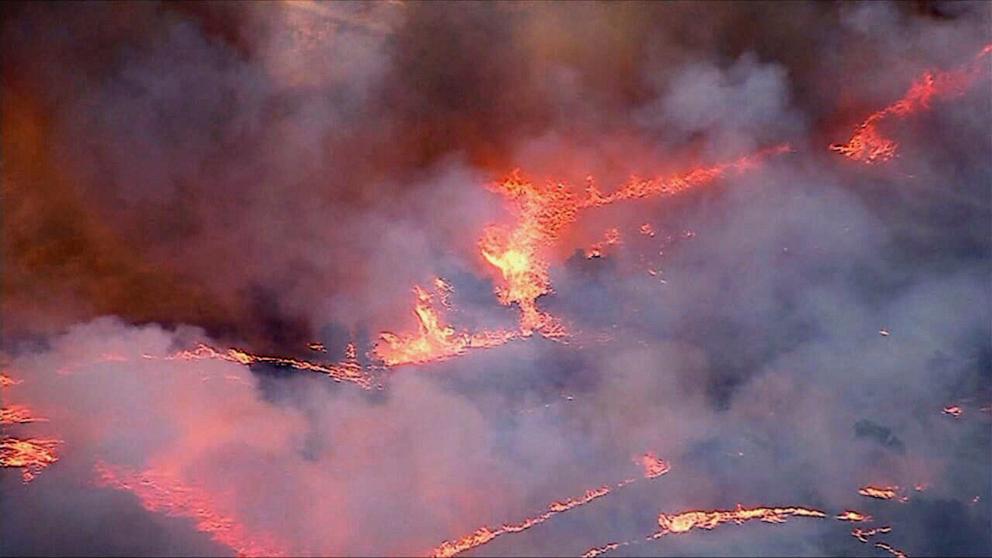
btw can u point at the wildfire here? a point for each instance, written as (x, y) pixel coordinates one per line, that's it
(7, 381)
(593, 552)
(434, 339)
(485, 534)
(17, 414)
(686, 521)
(541, 212)
(853, 516)
(890, 549)
(348, 371)
(880, 492)
(31, 455)
(953, 410)
(653, 465)
(864, 534)
(161, 492)
(868, 145)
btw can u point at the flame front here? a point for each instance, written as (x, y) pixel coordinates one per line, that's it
(434, 340)
(879, 492)
(869, 146)
(653, 465)
(161, 492)
(687, 521)
(31, 455)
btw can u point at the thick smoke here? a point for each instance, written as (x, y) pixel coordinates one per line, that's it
(266, 175)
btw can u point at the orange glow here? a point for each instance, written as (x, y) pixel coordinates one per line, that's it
(953, 410)
(318, 347)
(869, 146)
(687, 521)
(17, 414)
(653, 465)
(864, 534)
(161, 492)
(853, 516)
(434, 340)
(31, 455)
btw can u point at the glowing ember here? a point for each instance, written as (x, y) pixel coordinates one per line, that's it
(161, 492)
(868, 145)
(434, 339)
(864, 534)
(31, 455)
(646, 230)
(853, 516)
(953, 410)
(653, 465)
(687, 521)
(891, 550)
(17, 414)
(317, 347)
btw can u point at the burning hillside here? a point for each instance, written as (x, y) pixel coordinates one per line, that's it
(431, 279)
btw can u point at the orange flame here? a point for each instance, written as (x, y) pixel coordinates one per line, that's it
(880, 492)
(869, 146)
(31, 455)
(347, 371)
(434, 339)
(161, 492)
(953, 410)
(593, 552)
(485, 534)
(7, 381)
(853, 516)
(686, 521)
(891, 550)
(653, 465)
(17, 414)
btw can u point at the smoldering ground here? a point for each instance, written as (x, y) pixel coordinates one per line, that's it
(267, 175)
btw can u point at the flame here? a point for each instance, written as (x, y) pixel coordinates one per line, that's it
(317, 347)
(869, 146)
(161, 492)
(653, 465)
(864, 534)
(593, 552)
(17, 414)
(953, 410)
(543, 211)
(880, 492)
(7, 381)
(891, 550)
(485, 534)
(348, 371)
(434, 339)
(686, 521)
(31, 455)
(853, 516)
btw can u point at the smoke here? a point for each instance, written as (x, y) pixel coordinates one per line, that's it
(268, 175)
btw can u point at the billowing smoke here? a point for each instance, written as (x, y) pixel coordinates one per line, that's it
(264, 176)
